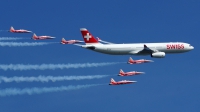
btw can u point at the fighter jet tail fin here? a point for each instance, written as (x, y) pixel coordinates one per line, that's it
(34, 36)
(63, 41)
(11, 28)
(112, 80)
(121, 71)
(130, 60)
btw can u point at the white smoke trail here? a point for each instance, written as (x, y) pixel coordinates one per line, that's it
(12, 38)
(48, 78)
(17, 44)
(53, 66)
(4, 30)
(35, 90)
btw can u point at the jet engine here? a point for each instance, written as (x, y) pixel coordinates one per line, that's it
(158, 55)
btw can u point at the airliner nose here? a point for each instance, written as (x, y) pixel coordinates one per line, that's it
(191, 47)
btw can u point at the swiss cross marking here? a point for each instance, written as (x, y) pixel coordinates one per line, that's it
(87, 37)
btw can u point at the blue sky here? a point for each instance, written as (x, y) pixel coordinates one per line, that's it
(170, 84)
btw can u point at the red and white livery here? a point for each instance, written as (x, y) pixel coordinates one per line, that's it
(19, 31)
(131, 61)
(63, 41)
(35, 37)
(131, 73)
(155, 50)
(88, 37)
(113, 82)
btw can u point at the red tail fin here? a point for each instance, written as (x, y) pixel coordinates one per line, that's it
(34, 36)
(12, 29)
(130, 60)
(87, 36)
(112, 80)
(63, 41)
(121, 72)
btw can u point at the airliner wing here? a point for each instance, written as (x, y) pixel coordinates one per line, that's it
(135, 52)
(86, 46)
(146, 50)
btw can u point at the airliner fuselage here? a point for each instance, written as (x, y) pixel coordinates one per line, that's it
(134, 48)
(157, 50)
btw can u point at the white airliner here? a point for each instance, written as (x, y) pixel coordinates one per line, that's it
(156, 50)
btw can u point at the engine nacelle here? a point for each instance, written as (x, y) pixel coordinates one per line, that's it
(158, 55)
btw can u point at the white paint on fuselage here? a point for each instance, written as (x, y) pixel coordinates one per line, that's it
(133, 48)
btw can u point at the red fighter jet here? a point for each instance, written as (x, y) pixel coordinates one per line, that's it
(35, 37)
(131, 61)
(63, 41)
(12, 30)
(113, 82)
(131, 73)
